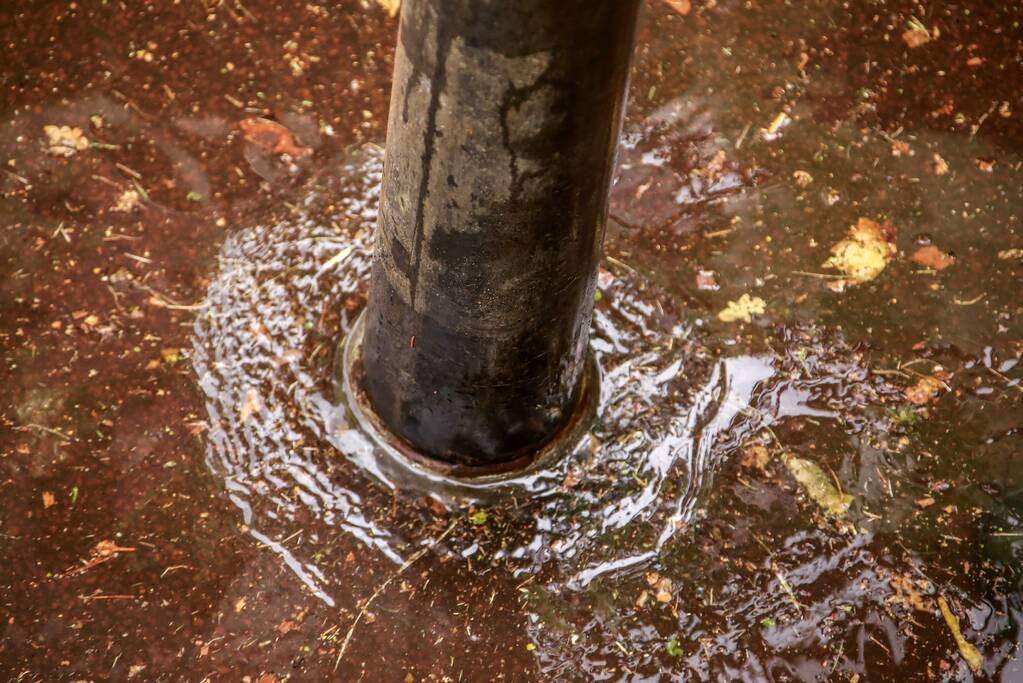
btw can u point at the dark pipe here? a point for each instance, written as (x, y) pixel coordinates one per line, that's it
(503, 125)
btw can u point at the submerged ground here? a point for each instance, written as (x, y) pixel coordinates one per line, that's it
(807, 462)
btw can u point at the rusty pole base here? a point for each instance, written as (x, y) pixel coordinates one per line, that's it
(348, 372)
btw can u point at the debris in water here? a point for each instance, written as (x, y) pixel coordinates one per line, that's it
(128, 200)
(939, 165)
(818, 486)
(673, 647)
(1010, 254)
(65, 141)
(917, 34)
(49, 500)
(864, 254)
(924, 391)
(390, 6)
(932, 257)
(272, 137)
(743, 309)
(478, 518)
(966, 648)
(756, 455)
(802, 178)
(250, 406)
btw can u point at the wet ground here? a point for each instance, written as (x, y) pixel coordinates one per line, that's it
(806, 463)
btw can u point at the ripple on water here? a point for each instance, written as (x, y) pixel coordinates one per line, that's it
(635, 476)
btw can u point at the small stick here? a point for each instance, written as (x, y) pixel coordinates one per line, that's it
(408, 563)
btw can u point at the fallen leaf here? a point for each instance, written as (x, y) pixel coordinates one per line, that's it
(251, 405)
(924, 391)
(706, 280)
(272, 137)
(682, 7)
(970, 653)
(1009, 254)
(64, 141)
(940, 166)
(239, 604)
(901, 148)
(744, 309)
(802, 178)
(908, 593)
(49, 500)
(917, 34)
(932, 257)
(986, 165)
(128, 200)
(756, 455)
(863, 255)
(390, 6)
(925, 502)
(819, 486)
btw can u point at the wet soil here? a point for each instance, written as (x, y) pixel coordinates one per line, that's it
(185, 498)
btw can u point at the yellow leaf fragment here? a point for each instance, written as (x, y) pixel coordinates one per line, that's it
(682, 7)
(64, 141)
(49, 500)
(970, 653)
(744, 309)
(863, 254)
(924, 391)
(251, 405)
(818, 486)
(390, 6)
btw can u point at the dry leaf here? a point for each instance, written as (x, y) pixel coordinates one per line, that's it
(49, 500)
(901, 148)
(744, 309)
(864, 254)
(682, 7)
(272, 136)
(940, 166)
(239, 604)
(756, 455)
(907, 593)
(128, 200)
(64, 141)
(917, 34)
(802, 178)
(966, 648)
(924, 391)
(819, 486)
(1009, 254)
(925, 502)
(251, 405)
(932, 257)
(390, 6)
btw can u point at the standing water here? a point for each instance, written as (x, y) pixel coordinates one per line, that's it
(804, 463)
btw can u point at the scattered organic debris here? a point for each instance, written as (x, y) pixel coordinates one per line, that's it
(104, 551)
(128, 200)
(272, 137)
(65, 141)
(390, 6)
(924, 391)
(743, 309)
(251, 405)
(802, 178)
(682, 7)
(863, 255)
(932, 257)
(917, 34)
(818, 486)
(970, 653)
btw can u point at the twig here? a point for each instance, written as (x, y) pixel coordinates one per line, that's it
(408, 563)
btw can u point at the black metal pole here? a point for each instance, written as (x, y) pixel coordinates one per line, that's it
(503, 125)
